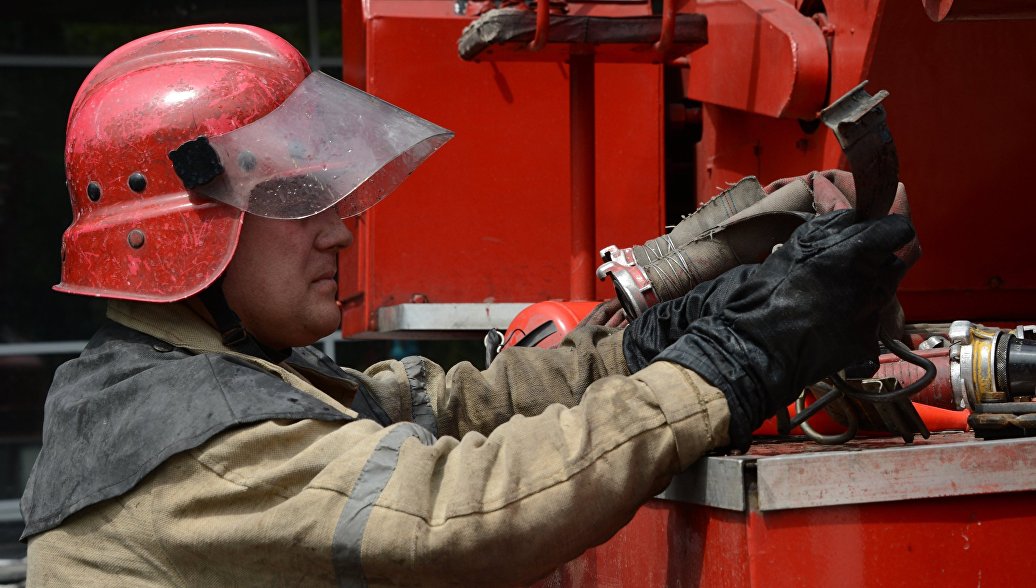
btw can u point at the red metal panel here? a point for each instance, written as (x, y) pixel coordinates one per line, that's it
(488, 217)
(945, 542)
(762, 56)
(666, 544)
(940, 10)
(960, 111)
(630, 167)
(948, 511)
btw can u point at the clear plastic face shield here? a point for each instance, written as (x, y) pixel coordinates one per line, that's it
(328, 144)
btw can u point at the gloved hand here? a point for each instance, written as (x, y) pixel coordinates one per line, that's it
(662, 324)
(606, 314)
(807, 311)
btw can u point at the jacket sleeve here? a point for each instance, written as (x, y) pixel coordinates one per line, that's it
(509, 507)
(520, 381)
(309, 502)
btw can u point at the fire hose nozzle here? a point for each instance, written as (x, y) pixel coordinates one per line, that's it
(989, 365)
(661, 268)
(632, 286)
(612, 253)
(706, 243)
(993, 372)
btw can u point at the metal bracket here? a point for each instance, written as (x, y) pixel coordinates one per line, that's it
(445, 320)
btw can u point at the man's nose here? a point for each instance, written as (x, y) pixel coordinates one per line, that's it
(343, 237)
(333, 234)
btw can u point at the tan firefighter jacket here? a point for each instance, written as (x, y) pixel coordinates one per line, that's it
(170, 460)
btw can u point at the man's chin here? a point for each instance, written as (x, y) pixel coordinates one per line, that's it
(330, 321)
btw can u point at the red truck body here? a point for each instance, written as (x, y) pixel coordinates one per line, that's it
(495, 218)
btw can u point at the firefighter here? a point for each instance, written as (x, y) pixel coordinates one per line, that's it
(198, 440)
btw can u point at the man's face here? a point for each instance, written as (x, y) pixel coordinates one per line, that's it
(281, 281)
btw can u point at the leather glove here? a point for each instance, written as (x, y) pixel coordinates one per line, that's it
(807, 311)
(662, 324)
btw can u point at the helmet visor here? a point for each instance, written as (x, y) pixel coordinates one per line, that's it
(328, 144)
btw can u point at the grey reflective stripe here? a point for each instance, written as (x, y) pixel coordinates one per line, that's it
(348, 537)
(421, 403)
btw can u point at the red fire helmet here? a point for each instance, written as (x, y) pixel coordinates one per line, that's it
(173, 137)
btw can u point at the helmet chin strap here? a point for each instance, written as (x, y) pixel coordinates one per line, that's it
(230, 328)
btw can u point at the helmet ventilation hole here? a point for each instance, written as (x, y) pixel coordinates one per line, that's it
(93, 191)
(137, 182)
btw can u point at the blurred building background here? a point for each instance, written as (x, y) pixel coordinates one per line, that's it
(46, 50)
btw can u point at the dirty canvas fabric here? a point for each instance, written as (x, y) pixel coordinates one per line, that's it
(742, 224)
(834, 189)
(473, 469)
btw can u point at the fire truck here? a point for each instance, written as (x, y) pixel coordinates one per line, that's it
(581, 125)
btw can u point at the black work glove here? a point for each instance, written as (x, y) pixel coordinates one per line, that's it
(662, 324)
(806, 312)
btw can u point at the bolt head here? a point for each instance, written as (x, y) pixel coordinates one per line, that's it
(135, 238)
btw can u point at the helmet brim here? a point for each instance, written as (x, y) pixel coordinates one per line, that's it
(328, 144)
